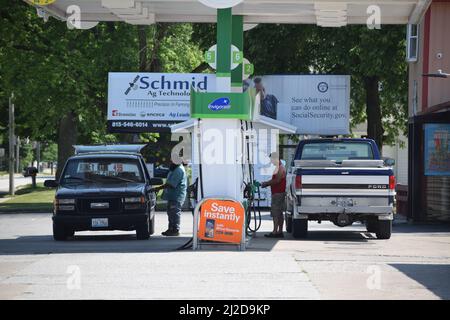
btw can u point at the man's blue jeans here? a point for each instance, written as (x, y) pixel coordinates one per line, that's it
(174, 214)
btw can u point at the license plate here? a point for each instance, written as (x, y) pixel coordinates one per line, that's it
(344, 202)
(100, 223)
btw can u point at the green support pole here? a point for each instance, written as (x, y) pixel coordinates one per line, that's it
(224, 25)
(237, 39)
(205, 105)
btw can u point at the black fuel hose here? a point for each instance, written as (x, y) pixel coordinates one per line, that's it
(252, 207)
(253, 211)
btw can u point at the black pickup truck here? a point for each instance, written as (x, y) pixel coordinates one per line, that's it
(104, 188)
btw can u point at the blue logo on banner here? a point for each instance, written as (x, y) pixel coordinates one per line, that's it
(219, 104)
(322, 87)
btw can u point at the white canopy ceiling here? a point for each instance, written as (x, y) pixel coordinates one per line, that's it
(321, 12)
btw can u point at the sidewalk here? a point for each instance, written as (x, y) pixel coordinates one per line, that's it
(6, 176)
(19, 181)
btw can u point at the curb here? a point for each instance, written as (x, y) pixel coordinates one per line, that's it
(23, 211)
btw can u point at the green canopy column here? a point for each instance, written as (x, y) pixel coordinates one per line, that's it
(238, 41)
(223, 70)
(230, 30)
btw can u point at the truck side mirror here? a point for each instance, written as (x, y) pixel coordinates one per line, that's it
(389, 162)
(50, 183)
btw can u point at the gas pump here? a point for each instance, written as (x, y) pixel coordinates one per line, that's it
(227, 109)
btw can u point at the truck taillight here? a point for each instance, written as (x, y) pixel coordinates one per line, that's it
(391, 182)
(298, 182)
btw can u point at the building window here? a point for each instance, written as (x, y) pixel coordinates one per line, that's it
(412, 43)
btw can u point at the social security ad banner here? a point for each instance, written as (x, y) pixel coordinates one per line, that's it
(315, 104)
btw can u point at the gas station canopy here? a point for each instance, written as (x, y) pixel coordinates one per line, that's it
(327, 13)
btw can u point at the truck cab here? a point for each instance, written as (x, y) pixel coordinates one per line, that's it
(104, 188)
(343, 181)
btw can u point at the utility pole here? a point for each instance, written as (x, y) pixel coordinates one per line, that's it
(11, 145)
(18, 155)
(38, 155)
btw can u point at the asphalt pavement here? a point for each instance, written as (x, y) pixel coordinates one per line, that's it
(333, 263)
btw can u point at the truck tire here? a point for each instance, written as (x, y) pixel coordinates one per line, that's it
(384, 229)
(143, 231)
(371, 225)
(59, 232)
(299, 228)
(288, 219)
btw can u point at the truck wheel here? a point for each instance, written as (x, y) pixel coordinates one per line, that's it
(384, 229)
(288, 219)
(143, 231)
(59, 233)
(299, 228)
(371, 225)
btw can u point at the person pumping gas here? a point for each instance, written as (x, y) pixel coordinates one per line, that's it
(278, 189)
(175, 194)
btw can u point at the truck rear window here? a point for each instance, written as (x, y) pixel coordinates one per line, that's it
(337, 151)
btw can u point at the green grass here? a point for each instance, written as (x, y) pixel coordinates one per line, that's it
(27, 199)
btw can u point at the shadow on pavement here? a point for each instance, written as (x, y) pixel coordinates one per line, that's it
(421, 228)
(350, 237)
(127, 243)
(339, 235)
(435, 277)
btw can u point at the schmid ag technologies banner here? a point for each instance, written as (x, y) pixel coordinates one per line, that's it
(315, 104)
(151, 102)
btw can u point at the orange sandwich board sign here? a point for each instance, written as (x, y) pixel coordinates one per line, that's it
(221, 221)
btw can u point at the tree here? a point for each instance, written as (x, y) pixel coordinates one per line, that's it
(59, 76)
(376, 61)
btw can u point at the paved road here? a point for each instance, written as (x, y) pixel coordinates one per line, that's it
(19, 181)
(332, 264)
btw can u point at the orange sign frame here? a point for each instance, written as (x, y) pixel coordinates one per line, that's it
(221, 221)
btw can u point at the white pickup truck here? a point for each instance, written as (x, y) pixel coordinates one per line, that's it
(343, 181)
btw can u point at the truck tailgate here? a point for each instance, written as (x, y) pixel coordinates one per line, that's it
(370, 182)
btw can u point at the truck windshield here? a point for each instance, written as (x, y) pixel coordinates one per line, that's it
(102, 170)
(337, 151)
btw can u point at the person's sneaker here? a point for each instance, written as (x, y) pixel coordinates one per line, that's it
(270, 235)
(171, 233)
(274, 235)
